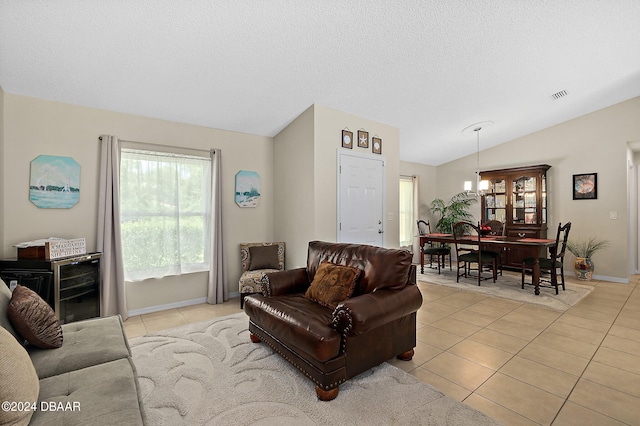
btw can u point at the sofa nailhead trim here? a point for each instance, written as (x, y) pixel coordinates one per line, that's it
(292, 362)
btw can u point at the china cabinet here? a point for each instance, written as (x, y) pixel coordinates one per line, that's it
(518, 197)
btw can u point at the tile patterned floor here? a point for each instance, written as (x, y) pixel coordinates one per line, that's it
(518, 363)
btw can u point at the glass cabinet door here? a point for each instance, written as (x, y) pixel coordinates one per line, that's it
(496, 201)
(523, 199)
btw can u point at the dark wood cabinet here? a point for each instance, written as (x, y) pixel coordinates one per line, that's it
(70, 285)
(518, 197)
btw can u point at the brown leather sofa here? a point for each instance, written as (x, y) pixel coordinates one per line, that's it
(377, 323)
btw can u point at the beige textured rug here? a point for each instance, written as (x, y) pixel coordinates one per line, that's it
(210, 373)
(509, 286)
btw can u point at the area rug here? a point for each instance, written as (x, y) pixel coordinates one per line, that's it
(509, 286)
(210, 373)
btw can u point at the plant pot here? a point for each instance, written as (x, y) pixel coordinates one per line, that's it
(584, 268)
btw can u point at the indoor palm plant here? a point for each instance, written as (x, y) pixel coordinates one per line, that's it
(583, 250)
(456, 210)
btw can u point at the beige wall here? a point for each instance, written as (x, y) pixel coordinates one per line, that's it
(306, 180)
(33, 127)
(595, 142)
(294, 213)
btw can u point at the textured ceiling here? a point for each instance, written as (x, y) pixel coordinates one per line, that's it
(428, 67)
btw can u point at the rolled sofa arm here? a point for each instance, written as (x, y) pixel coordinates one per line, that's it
(284, 282)
(363, 313)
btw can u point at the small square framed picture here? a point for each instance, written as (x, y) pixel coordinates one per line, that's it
(347, 139)
(363, 139)
(376, 145)
(585, 186)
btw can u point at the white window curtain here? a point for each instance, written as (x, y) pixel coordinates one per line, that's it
(164, 213)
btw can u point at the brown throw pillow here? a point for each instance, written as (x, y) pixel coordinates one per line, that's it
(34, 319)
(332, 284)
(263, 257)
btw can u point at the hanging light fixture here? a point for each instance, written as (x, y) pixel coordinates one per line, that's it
(481, 185)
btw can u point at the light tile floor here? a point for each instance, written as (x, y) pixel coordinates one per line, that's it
(518, 363)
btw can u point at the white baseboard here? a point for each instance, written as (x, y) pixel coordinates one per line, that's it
(182, 304)
(612, 279)
(157, 308)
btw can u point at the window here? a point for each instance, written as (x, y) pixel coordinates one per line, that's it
(164, 214)
(407, 220)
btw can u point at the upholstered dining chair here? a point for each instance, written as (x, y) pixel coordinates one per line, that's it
(440, 252)
(554, 262)
(257, 260)
(469, 251)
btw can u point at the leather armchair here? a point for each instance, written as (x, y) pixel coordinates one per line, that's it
(329, 346)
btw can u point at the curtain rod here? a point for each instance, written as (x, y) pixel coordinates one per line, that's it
(211, 150)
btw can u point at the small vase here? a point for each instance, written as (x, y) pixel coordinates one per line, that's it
(584, 268)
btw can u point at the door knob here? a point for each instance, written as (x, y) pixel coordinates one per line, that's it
(380, 231)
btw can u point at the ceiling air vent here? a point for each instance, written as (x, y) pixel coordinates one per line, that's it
(558, 95)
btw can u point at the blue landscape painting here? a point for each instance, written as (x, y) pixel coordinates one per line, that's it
(55, 182)
(247, 189)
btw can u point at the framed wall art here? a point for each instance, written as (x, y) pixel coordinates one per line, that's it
(376, 145)
(347, 139)
(54, 182)
(585, 186)
(363, 139)
(247, 189)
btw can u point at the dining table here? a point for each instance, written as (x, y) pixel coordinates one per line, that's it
(498, 242)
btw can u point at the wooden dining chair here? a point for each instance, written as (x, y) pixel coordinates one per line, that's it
(554, 262)
(439, 251)
(469, 251)
(498, 229)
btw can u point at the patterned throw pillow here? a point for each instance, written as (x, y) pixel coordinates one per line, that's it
(34, 319)
(332, 284)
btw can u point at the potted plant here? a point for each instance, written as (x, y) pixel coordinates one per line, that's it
(456, 210)
(583, 250)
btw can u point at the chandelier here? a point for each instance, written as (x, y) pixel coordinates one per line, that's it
(481, 185)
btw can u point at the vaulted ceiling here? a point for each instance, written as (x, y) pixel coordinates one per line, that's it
(430, 68)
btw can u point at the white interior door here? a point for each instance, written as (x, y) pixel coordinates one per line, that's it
(360, 200)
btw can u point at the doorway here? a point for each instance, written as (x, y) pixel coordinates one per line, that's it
(360, 199)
